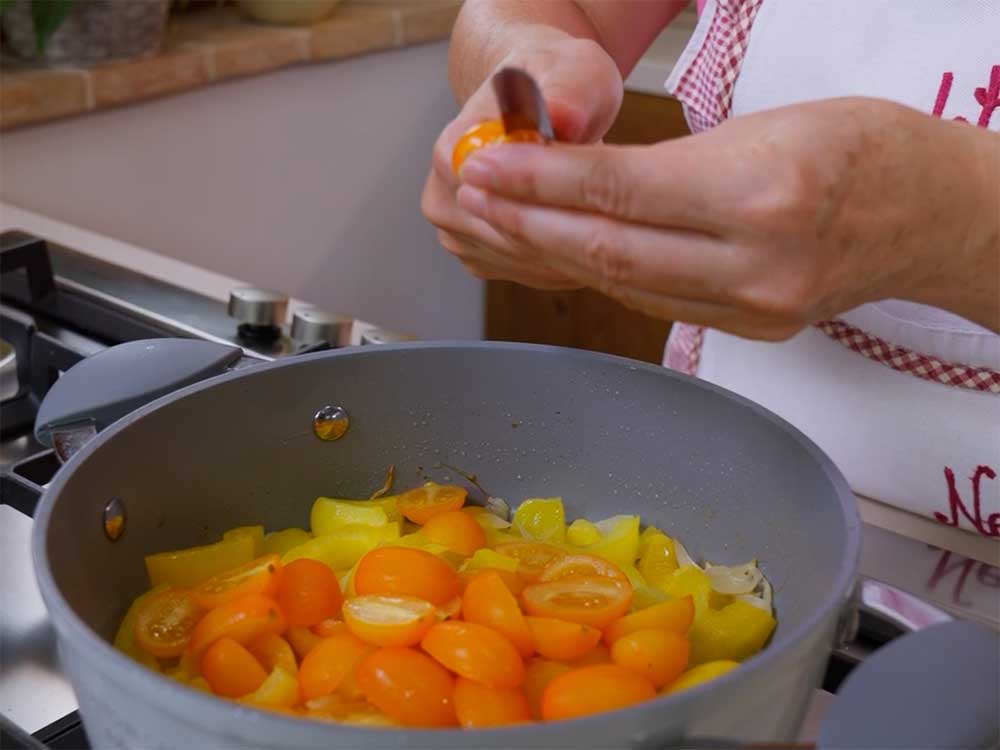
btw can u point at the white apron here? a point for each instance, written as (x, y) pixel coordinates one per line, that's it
(904, 398)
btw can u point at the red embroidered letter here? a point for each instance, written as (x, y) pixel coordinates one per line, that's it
(990, 526)
(989, 99)
(943, 91)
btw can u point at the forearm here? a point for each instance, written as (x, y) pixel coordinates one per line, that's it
(966, 279)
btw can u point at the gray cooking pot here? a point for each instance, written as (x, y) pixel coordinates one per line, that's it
(609, 435)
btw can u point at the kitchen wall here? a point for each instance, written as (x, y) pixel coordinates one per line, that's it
(306, 180)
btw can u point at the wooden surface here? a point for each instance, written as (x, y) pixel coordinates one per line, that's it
(585, 319)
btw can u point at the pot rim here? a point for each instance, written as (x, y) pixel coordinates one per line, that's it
(216, 715)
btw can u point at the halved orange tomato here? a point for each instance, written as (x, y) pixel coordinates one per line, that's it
(165, 623)
(241, 619)
(271, 650)
(561, 640)
(329, 663)
(478, 706)
(588, 601)
(423, 503)
(405, 571)
(389, 620)
(455, 530)
(256, 577)
(581, 565)
(475, 651)
(591, 690)
(675, 615)
(308, 592)
(532, 557)
(487, 601)
(409, 686)
(230, 669)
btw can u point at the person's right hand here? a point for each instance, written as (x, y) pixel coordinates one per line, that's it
(582, 89)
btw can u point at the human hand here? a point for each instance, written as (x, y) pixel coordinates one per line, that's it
(762, 225)
(582, 89)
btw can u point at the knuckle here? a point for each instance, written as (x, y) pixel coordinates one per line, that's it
(785, 301)
(606, 189)
(607, 254)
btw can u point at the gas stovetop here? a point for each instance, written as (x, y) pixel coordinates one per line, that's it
(58, 306)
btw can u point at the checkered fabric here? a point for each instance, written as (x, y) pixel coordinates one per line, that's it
(706, 87)
(913, 363)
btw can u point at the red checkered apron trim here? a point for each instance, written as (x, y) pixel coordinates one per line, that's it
(706, 87)
(684, 355)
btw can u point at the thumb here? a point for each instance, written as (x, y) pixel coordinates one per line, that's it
(583, 97)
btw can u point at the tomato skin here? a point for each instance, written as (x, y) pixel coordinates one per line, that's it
(560, 640)
(487, 601)
(230, 669)
(537, 676)
(330, 662)
(271, 650)
(476, 652)
(455, 530)
(658, 655)
(308, 592)
(478, 706)
(488, 133)
(258, 576)
(241, 619)
(588, 601)
(405, 571)
(409, 687)
(423, 503)
(591, 690)
(165, 623)
(304, 640)
(675, 615)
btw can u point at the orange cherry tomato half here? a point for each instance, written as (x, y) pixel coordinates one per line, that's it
(409, 687)
(588, 601)
(560, 640)
(308, 592)
(658, 655)
(256, 577)
(230, 669)
(241, 619)
(389, 620)
(329, 663)
(675, 615)
(532, 557)
(487, 601)
(455, 530)
(514, 582)
(478, 706)
(303, 640)
(489, 133)
(328, 627)
(537, 676)
(599, 654)
(591, 690)
(475, 651)
(421, 504)
(165, 622)
(582, 566)
(406, 571)
(271, 650)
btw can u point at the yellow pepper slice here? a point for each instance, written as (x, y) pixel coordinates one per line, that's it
(328, 515)
(346, 547)
(618, 542)
(735, 632)
(186, 568)
(125, 637)
(279, 542)
(280, 689)
(541, 519)
(487, 558)
(582, 533)
(657, 557)
(700, 674)
(254, 532)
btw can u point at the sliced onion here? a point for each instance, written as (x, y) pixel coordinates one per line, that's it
(755, 601)
(499, 508)
(734, 579)
(684, 560)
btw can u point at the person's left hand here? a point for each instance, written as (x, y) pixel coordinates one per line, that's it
(760, 226)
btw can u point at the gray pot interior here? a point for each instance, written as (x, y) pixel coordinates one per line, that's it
(608, 435)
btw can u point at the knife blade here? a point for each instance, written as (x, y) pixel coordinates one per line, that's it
(521, 103)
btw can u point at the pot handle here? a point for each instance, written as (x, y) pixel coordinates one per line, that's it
(108, 385)
(937, 687)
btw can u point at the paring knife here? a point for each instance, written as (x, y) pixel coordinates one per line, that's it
(521, 103)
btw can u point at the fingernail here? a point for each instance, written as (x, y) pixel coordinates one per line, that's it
(472, 200)
(477, 171)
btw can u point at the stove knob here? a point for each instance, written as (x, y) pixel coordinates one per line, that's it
(375, 336)
(258, 307)
(311, 325)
